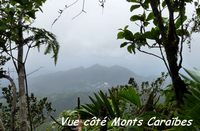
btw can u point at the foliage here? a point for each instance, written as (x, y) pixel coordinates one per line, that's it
(164, 25)
(142, 102)
(71, 114)
(191, 107)
(17, 37)
(40, 109)
(150, 33)
(18, 15)
(126, 102)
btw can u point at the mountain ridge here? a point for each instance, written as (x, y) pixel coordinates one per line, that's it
(82, 78)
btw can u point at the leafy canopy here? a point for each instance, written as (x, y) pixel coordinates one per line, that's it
(152, 31)
(17, 16)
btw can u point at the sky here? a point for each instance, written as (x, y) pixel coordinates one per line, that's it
(91, 38)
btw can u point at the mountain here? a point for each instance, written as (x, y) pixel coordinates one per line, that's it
(63, 88)
(81, 79)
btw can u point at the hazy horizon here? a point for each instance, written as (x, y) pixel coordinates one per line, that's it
(91, 39)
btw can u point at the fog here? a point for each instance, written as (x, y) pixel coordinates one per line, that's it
(91, 38)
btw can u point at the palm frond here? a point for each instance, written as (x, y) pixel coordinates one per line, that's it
(44, 37)
(131, 95)
(195, 75)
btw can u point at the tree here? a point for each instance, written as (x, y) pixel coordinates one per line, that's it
(163, 25)
(13, 94)
(40, 110)
(17, 34)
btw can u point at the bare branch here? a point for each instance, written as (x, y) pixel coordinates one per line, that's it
(61, 11)
(102, 2)
(82, 11)
(12, 57)
(34, 71)
(29, 47)
(153, 45)
(163, 57)
(150, 53)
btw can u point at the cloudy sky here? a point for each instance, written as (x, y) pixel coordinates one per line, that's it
(91, 39)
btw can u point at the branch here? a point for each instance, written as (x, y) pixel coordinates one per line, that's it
(159, 19)
(153, 45)
(102, 2)
(27, 97)
(61, 11)
(163, 57)
(150, 53)
(34, 71)
(12, 57)
(82, 11)
(29, 47)
(14, 100)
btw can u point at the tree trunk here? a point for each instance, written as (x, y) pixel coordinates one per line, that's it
(14, 99)
(172, 49)
(179, 86)
(23, 113)
(23, 110)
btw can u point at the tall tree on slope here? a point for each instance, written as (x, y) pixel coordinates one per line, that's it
(17, 37)
(164, 25)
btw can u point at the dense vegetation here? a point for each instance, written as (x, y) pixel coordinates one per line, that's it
(142, 102)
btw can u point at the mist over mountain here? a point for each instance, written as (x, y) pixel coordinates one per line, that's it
(64, 87)
(82, 79)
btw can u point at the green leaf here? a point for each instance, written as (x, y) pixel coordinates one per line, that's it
(163, 3)
(107, 104)
(44, 37)
(115, 101)
(153, 34)
(196, 3)
(149, 35)
(145, 5)
(146, 23)
(3, 27)
(129, 48)
(131, 95)
(31, 14)
(126, 27)
(120, 35)
(135, 18)
(150, 16)
(181, 32)
(198, 11)
(123, 44)
(128, 35)
(155, 22)
(193, 74)
(180, 21)
(133, 7)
